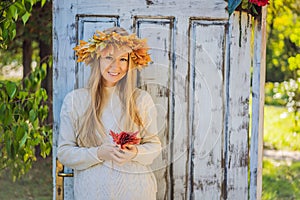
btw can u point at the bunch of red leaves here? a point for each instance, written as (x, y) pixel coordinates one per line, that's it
(125, 138)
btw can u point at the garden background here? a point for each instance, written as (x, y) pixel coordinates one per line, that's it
(26, 93)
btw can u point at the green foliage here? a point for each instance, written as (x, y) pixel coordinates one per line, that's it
(280, 180)
(279, 129)
(31, 34)
(294, 63)
(283, 46)
(10, 12)
(22, 129)
(274, 94)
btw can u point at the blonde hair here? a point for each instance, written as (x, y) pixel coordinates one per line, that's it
(91, 130)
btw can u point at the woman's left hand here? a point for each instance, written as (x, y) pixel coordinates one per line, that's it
(129, 152)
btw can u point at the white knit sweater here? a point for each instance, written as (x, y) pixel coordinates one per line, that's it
(94, 179)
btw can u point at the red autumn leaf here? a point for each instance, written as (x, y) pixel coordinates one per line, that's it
(125, 138)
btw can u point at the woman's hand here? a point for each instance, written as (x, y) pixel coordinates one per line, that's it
(109, 151)
(130, 152)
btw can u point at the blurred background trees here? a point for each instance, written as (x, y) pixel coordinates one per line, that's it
(283, 40)
(25, 101)
(26, 35)
(282, 98)
(283, 56)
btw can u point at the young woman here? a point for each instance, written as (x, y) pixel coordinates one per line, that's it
(110, 104)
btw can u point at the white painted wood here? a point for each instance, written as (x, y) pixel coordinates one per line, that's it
(64, 38)
(203, 8)
(156, 80)
(258, 97)
(207, 65)
(199, 80)
(237, 112)
(179, 126)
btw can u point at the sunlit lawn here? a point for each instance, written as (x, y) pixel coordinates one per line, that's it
(279, 129)
(281, 180)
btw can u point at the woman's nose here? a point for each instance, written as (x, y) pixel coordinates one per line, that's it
(114, 64)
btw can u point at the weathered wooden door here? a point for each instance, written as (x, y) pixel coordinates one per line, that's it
(199, 80)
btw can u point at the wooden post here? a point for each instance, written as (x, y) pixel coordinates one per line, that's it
(258, 82)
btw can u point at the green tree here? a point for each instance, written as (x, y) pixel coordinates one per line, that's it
(283, 55)
(24, 105)
(22, 123)
(31, 42)
(283, 40)
(10, 12)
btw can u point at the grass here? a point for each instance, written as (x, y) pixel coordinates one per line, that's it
(279, 129)
(281, 180)
(37, 184)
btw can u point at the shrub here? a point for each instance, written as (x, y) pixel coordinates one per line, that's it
(23, 111)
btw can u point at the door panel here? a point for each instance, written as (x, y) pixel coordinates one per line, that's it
(207, 58)
(156, 80)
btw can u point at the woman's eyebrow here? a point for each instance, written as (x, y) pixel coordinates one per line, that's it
(123, 56)
(107, 54)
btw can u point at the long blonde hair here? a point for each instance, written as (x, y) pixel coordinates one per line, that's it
(91, 130)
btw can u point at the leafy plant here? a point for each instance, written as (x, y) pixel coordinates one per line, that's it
(283, 45)
(10, 12)
(22, 115)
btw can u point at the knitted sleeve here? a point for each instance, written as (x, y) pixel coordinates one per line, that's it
(150, 146)
(68, 152)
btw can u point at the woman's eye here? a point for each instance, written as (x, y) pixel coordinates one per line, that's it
(124, 59)
(108, 57)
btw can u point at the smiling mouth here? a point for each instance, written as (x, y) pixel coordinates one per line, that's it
(114, 73)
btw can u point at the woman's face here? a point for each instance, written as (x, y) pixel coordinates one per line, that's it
(114, 65)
